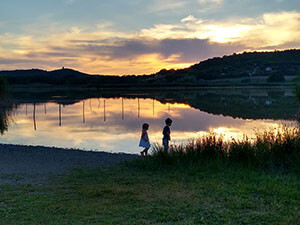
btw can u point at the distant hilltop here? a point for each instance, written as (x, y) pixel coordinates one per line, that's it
(245, 68)
(244, 65)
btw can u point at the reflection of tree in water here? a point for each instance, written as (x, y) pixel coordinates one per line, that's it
(6, 110)
(276, 94)
(246, 103)
(297, 93)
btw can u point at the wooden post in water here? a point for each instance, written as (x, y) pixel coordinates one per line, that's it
(34, 122)
(104, 113)
(122, 109)
(26, 109)
(83, 112)
(138, 108)
(45, 108)
(168, 107)
(59, 114)
(153, 107)
(91, 105)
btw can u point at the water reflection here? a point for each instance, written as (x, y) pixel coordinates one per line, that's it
(34, 120)
(59, 123)
(113, 124)
(6, 111)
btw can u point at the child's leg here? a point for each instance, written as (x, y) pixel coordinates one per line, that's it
(166, 144)
(146, 151)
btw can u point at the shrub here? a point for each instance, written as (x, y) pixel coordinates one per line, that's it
(6, 109)
(276, 77)
(3, 85)
(297, 86)
(245, 80)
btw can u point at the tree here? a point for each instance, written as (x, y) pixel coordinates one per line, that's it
(297, 78)
(3, 85)
(297, 86)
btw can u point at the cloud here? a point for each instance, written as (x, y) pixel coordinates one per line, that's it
(108, 51)
(166, 5)
(265, 30)
(185, 50)
(190, 18)
(274, 29)
(190, 27)
(218, 2)
(209, 5)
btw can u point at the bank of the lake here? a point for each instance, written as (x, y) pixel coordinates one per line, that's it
(20, 164)
(139, 192)
(39, 87)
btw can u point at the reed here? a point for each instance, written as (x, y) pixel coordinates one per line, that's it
(271, 149)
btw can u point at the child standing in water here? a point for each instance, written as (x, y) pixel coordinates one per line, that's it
(167, 134)
(144, 142)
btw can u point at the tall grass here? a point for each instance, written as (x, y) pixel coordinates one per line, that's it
(272, 149)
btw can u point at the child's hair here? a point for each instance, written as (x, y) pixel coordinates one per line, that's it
(145, 126)
(168, 121)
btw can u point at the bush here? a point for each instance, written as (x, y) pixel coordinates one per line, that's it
(3, 85)
(297, 92)
(276, 77)
(6, 109)
(245, 80)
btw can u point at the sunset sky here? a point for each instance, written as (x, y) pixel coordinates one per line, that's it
(140, 36)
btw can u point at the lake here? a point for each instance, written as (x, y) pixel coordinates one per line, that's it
(111, 121)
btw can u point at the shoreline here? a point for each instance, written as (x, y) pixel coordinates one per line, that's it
(46, 87)
(21, 164)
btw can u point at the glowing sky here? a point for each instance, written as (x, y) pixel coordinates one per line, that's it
(140, 36)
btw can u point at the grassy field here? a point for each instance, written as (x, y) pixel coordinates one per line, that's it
(206, 181)
(140, 193)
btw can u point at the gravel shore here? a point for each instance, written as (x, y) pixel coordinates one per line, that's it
(35, 164)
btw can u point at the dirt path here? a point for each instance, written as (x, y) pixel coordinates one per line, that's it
(35, 164)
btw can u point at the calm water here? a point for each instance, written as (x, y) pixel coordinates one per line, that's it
(112, 121)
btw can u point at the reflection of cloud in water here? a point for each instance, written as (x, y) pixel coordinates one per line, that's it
(116, 134)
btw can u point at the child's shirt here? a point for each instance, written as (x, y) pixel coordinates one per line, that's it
(166, 133)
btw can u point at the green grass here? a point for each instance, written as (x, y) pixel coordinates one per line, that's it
(137, 193)
(207, 181)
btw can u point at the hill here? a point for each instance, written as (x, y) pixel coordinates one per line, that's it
(41, 76)
(245, 65)
(237, 69)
